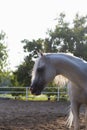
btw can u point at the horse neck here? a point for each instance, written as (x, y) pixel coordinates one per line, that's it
(69, 69)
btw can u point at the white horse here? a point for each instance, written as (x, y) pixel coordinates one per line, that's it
(75, 69)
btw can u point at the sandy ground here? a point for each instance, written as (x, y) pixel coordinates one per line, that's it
(27, 115)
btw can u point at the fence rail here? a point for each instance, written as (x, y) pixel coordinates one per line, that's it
(26, 92)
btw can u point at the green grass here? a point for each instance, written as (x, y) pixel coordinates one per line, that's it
(7, 96)
(38, 98)
(20, 97)
(41, 97)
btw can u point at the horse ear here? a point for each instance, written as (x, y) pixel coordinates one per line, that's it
(39, 53)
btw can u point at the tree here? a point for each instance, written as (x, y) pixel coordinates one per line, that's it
(3, 58)
(23, 74)
(3, 51)
(61, 36)
(68, 38)
(30, 46)
(80, 36)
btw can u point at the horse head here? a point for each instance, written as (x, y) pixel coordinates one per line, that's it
(43, 72)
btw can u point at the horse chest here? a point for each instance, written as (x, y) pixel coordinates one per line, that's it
(77, 94)
(81, 97)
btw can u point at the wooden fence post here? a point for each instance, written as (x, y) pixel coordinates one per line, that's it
(27, 93)
(58, 94)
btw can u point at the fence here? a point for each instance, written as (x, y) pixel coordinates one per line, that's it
(25, 91)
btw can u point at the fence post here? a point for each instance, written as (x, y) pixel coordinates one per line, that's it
(58, 94)
(26, 93)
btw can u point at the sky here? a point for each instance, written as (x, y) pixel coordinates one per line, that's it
(30, 19)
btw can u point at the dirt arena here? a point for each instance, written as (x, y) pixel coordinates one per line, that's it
(27, 115)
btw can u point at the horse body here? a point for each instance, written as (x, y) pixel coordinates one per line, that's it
(75, 69)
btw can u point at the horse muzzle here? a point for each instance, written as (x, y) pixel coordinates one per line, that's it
(35, 91)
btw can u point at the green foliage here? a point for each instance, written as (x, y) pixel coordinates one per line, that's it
(30, 46)
(23, 74)
(4, 78)
(80, 36)
(72, 38)
(3, 51)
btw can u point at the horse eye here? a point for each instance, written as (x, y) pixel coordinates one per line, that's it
(40, 69)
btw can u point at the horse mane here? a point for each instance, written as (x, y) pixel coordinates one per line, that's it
(34, 68)
(79, 62)
(69, 56)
